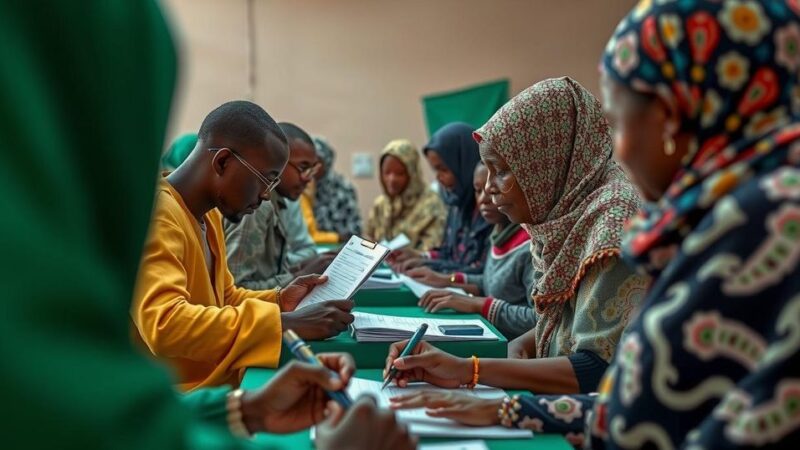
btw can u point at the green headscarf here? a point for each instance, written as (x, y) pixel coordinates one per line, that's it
(178, 151)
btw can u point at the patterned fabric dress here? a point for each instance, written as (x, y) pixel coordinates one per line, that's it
(335, 201)
(712, 359)
(418, 212)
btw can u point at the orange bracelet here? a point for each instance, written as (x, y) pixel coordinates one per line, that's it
(476, 365)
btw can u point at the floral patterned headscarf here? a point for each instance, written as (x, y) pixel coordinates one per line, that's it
(558, 145)
(730, 69)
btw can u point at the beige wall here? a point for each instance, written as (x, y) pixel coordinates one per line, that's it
(355, 70)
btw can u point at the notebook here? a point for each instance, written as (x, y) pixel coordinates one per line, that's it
(352, 266)
(368, 327)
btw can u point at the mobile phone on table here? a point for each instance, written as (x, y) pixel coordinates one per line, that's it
(461, 330)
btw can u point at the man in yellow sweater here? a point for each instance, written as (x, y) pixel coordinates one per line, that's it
(186, 308)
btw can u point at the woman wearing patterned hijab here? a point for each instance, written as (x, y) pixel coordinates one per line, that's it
(407, 205)
(335, 202)
(548, 152)
(705, 100)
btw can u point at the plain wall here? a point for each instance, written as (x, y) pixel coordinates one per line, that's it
(355, 71)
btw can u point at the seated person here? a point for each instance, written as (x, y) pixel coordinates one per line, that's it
(186, 308)
(319, 235)
(407, 206)
(712, 359)
(268, 248)
(574, 207)
(69, 370)
(502, 292)
(333, 196)
(453, 155)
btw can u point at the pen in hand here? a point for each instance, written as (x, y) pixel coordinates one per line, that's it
(303, 352)
(418, 335)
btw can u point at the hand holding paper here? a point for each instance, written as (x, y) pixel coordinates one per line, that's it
(355, 262)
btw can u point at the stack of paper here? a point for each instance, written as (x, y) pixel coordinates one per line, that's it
(421, 424)
(420, 289)
(379, 328)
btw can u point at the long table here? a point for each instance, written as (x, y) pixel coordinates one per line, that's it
(372, 355)
(255, 377)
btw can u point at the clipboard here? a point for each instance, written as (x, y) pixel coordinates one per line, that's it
(352, 267)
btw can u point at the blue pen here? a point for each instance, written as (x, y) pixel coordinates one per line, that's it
(409, 347)
(303, 352)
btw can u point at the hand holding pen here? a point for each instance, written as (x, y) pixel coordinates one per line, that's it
(303, 352)
(391, 371)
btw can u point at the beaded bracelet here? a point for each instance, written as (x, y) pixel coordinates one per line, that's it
(235, 419)
(476, 365)
(507, 413)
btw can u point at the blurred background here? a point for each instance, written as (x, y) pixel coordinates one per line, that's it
(356, 71)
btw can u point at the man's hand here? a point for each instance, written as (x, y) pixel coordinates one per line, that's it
(294, 399)
(297, 290)
(315, 265)
(362, 427)
(320, 320)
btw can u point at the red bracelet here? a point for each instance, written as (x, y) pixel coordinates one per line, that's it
(486, 305)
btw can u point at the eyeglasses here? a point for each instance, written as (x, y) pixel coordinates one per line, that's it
(308, 172)
(270, 184)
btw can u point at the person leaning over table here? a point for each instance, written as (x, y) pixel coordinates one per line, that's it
(703, 96)
(71, 377)
(502, 292)
(548, 152)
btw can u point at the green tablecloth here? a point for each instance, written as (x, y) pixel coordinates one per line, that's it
(372, 355)
(401, 296)
(300, 441)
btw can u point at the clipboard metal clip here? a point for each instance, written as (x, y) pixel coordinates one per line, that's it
(369, 244)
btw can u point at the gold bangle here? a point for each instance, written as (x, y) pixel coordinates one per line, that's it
(278, 294)
(235, 418)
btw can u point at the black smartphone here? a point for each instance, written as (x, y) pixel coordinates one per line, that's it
(461, 330)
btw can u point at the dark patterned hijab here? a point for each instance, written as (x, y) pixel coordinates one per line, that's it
(730, 68)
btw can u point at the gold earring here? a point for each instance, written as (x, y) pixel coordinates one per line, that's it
(669, 146)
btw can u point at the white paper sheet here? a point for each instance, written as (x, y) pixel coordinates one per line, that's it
(397, 243)
(420, 289)
(347, 272)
